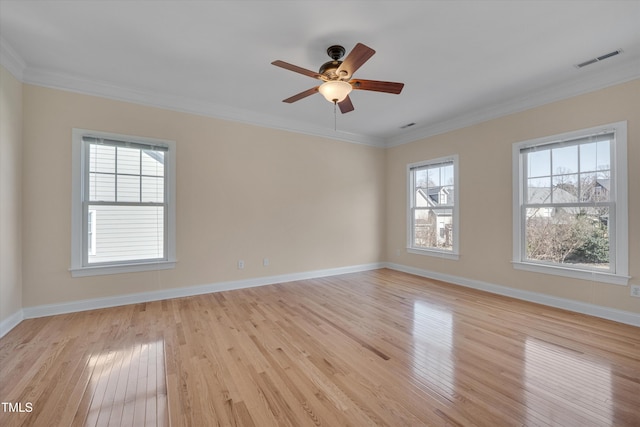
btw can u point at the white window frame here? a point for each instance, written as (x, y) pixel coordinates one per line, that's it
(454, 253)
(79, 267)
(619, 232)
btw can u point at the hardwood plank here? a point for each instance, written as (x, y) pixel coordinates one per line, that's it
(373, 348)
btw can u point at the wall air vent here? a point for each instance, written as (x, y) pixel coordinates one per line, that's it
(599, 58)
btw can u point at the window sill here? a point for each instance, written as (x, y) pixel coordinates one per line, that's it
(594, 276)
(434, 253)
(121, 268)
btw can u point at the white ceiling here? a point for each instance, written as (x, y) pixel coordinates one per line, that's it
(461, 61)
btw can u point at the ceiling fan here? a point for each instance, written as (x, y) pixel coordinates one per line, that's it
(337, 77)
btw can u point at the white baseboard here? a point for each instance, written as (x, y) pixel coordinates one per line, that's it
(11, 322)
(92, 304)
(70, 307)
(621, 316)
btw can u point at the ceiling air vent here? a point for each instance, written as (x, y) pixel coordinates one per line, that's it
(599, 58)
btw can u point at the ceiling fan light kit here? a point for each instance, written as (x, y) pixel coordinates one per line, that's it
(335, 91)
(337, 75)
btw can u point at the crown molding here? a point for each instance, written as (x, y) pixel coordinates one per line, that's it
(608, 76)
(587, 82)
(18, 67)
(10, 60)
(71, 83)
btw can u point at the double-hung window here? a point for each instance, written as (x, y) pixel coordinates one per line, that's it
(433, 207)
(123, 203)
(570, 204)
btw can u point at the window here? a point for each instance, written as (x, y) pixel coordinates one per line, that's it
(570, 204)
(433, 207)
(123, 204)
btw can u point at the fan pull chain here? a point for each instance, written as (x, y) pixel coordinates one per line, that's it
(335, 115)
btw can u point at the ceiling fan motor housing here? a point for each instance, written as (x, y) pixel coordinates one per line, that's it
(328, 69)
(335, 52)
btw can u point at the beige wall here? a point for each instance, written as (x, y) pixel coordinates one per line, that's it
(243, 192)
(306, 203)
(486, 194)
(10, 195)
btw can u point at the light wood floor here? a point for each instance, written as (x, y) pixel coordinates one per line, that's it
(373, 348)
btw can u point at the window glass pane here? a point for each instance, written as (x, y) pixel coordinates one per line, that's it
(421, 198)
(587, 187)
(102, 187)
(565, 188)
(602, 188)
(433, 228)
(579, 237)
(152, 189)
(539, 190)
(447, 195)
(422, 229)
(102, 158)
(128, 161)
(595, 187)
(126, 233)
(565, 159)
(539, 163)
(447, 175)
(128, 188)
(595, 156)
(588, 157)
(603, 159)
(433, 177)
(153, 163)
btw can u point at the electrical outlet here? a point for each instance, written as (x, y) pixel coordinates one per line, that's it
(635, 291)
(240, 264)
(265, 262)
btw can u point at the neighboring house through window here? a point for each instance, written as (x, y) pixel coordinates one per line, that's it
(570, 204)
(433, 207)
(91, 229)
(123, 203)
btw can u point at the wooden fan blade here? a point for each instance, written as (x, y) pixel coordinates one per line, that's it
(345, 105)
(297, 69)
(301, 95)
(358, 56)
(377, 86)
